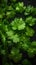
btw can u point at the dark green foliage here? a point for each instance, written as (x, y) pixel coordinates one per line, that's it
(15, 32)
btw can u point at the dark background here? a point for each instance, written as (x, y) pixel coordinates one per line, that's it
(32, 2)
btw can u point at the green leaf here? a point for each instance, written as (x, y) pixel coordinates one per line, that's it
(15, 55)
(21, 27)
(20, 7)
(33, 44)
(29, 31)
(30, 20)
(16, 38)
(18, 24)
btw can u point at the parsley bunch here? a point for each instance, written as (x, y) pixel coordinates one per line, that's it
(16, 32)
